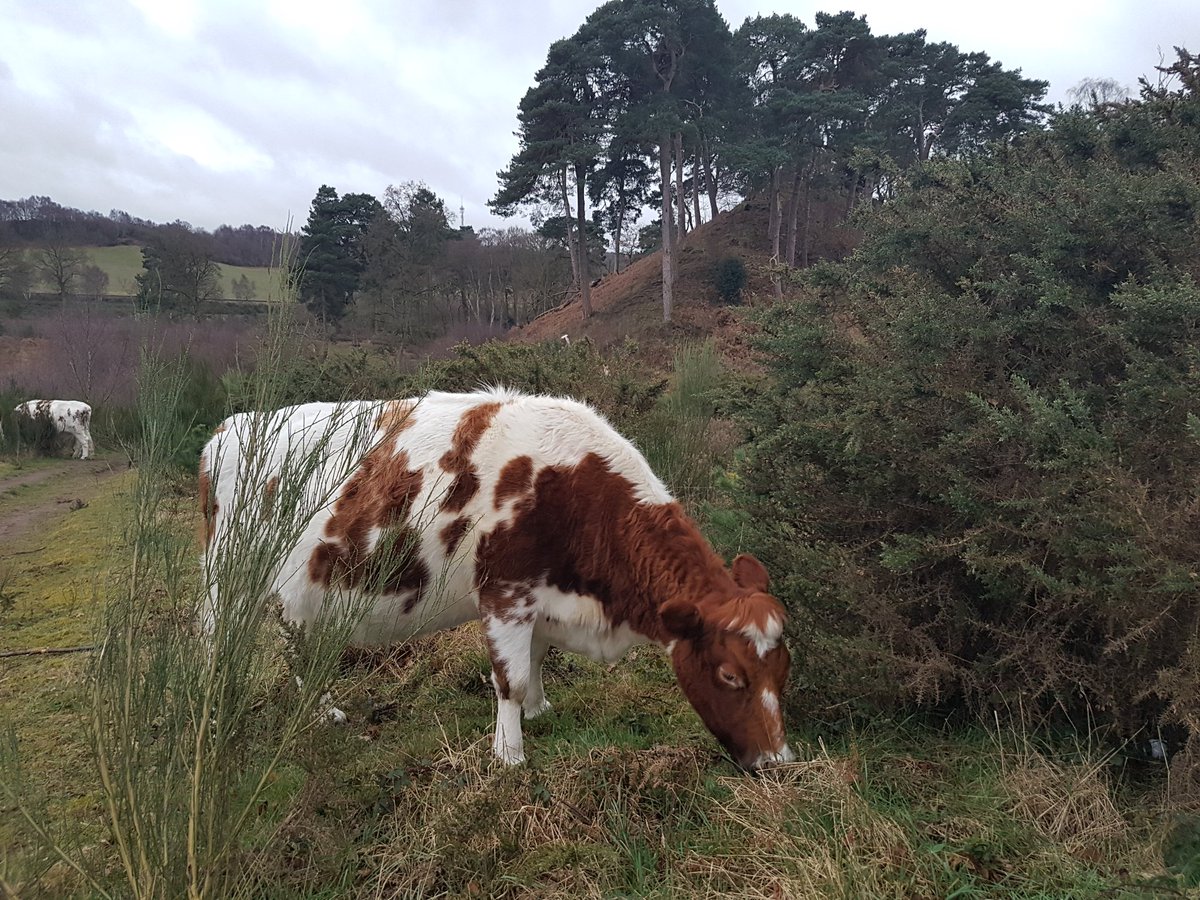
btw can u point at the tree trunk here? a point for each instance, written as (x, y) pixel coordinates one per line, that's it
(773, 222)
(774, 225)
(585, 274)
(668, 227)
(793, 213)
(710, 179)
(696, 192)
(566, 199)
(617, 234)
(808, 182)
(680, 196)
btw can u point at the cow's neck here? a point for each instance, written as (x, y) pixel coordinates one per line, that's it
(658, 555)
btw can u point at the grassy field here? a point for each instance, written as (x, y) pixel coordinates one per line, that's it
(124, 264)
(625, 794)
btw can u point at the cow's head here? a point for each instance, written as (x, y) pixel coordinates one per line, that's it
(732, 665)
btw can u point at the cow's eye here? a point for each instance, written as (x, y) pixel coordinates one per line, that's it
(731, 678)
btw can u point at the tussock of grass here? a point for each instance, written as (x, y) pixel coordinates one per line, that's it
(1069, 803)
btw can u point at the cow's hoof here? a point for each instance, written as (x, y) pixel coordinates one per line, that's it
(532, 712)
(510, 756)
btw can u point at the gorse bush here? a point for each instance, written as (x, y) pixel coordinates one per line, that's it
(729, 277)
(975, 472)
(615, 383)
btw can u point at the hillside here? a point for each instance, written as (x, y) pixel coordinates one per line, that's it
(628, 305)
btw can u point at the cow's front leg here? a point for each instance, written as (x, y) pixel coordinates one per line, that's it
(535, 695)
(510, 645)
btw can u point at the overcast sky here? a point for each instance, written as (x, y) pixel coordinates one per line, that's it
(233, 112)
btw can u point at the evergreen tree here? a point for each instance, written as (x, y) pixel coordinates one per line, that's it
(331, 255)
(561, 123)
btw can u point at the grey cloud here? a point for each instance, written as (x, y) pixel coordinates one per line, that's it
(427, 90)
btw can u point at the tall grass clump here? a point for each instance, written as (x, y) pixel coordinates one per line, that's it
(676, 433)
(185, 716)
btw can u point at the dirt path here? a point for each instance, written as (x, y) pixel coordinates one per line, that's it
(31, 500)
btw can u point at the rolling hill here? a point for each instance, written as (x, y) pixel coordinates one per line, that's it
(123, 264)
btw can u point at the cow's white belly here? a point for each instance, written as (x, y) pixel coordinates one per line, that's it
(577, 623)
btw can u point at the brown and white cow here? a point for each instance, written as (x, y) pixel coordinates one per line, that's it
(530, 513)
(71, 417)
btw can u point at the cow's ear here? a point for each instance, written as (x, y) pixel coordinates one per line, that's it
(750, 574)
(681, 619)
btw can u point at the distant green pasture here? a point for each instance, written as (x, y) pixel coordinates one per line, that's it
(124, 264)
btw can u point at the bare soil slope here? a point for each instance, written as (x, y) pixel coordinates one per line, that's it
(628, 305)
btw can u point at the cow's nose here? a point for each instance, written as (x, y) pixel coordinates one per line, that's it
(767, 759)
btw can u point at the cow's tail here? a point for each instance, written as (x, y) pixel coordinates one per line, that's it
(208, 498)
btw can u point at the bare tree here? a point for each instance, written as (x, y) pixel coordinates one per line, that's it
(59, 264)
(94, 280)
(16, 273)
(1094, 92)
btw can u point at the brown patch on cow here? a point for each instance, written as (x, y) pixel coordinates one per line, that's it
(379, 495)
(454, 532)
(516, 479)
(396, 416)
(462, 489)
(208, 502)
(457, 460)
(219, 429)
(269, 497)
(580, 529)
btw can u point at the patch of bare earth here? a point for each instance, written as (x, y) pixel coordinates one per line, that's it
(57, 490)
(628, 305)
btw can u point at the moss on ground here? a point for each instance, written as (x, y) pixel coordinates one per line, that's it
(54, 578)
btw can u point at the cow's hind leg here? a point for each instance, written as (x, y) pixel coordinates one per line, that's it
(510, 645)
(535, 702)
(293, 636)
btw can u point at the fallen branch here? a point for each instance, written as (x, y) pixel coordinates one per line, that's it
(46, 651)
(22, 552)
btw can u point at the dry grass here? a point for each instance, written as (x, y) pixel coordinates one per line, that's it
(1069, 803)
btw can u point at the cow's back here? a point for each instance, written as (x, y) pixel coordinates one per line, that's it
(441, 471)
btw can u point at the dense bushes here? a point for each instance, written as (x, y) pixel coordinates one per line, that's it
(729, 277)
(975, 470)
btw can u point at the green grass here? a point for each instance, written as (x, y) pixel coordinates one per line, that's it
(625, 793)
(54, 580)
(123, 264)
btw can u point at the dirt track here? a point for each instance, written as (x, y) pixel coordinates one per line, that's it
(29, 500)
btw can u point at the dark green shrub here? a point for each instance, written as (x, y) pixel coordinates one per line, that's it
(976, 472)
(729, 277)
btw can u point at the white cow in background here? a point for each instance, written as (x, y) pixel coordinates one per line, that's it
(68, 417)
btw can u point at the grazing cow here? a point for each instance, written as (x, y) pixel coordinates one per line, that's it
(67, 416)
(530, 513)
